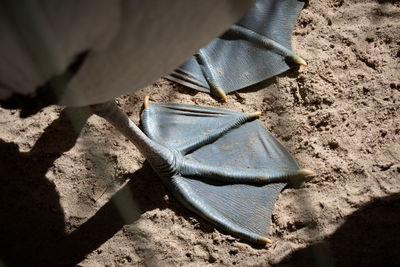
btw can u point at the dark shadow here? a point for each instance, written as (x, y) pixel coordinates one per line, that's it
(258, 86)
(32, 226)
(387, 1)
(369, 237)
(293, 72)
(143, 192)
(29, 203)
(181, 89)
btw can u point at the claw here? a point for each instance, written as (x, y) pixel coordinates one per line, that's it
(299, 60)
(146, 101)
(221, 93)
(255, 114)
(266, 240)
(306, 173)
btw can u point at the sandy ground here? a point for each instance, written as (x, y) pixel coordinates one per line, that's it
(74, 192)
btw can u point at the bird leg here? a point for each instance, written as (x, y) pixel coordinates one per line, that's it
(183, 146)
(159, 157)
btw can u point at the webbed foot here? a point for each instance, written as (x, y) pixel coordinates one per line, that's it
(221, 164)
(258, 47)
(228, 168)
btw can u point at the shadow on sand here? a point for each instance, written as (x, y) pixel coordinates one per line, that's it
(32, 224)
(369, 237)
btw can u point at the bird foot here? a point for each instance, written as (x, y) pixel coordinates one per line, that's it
(256, 48)
(228, 168)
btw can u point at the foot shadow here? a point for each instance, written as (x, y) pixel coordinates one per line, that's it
(369, 237)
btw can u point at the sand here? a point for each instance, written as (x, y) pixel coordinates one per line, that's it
(78, 193)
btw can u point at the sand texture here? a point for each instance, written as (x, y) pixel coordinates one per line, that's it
(74, 191)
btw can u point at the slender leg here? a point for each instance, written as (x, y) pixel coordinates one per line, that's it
(161, 159)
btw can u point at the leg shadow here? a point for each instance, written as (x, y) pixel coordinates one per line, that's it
(143, 192)
(29, 203)
(369, 237)
(32, 221)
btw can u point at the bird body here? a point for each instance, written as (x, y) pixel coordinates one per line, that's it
(128, 44)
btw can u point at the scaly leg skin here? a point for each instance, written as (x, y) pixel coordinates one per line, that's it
(222, 165)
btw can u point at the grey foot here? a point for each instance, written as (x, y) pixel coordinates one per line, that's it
(258, 47)
(228, 168)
